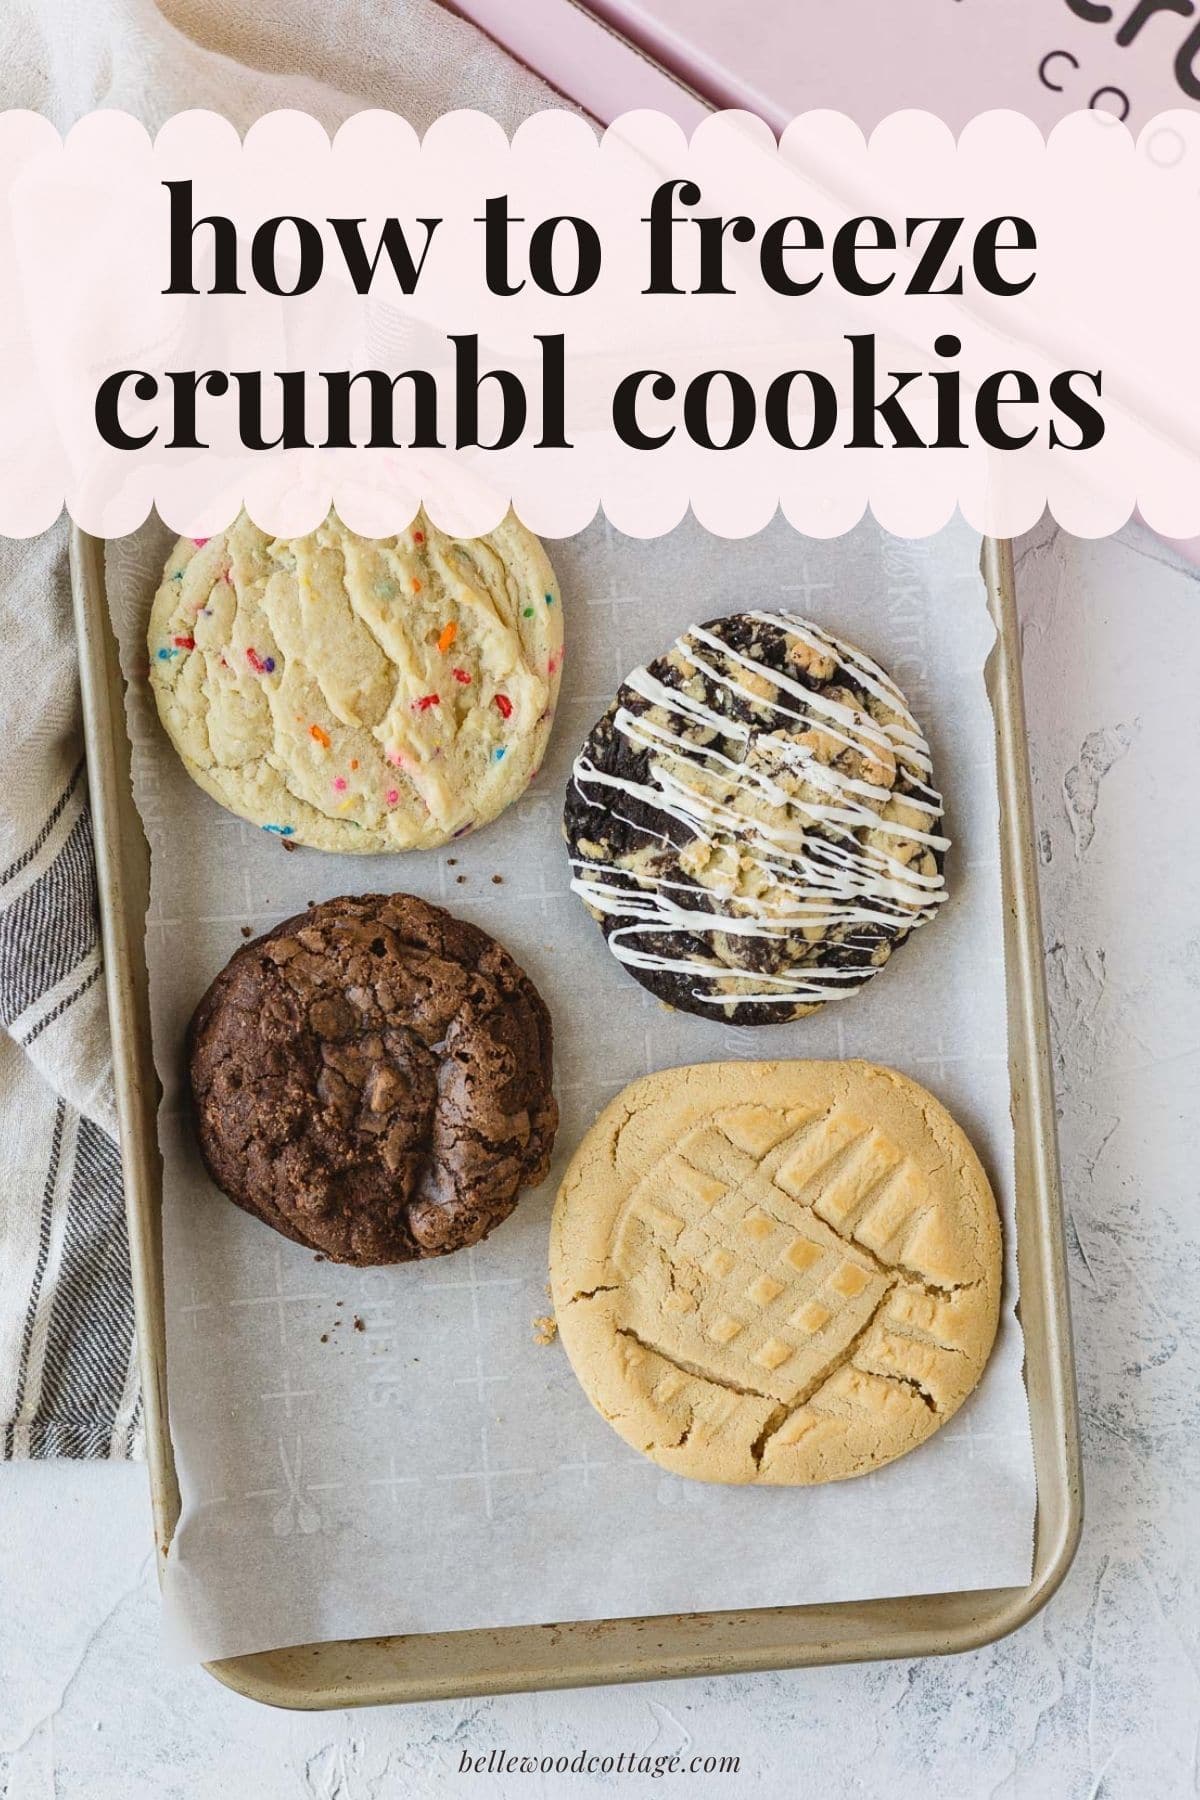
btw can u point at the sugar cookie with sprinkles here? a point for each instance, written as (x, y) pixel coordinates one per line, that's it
(754, 823)
(359, 694)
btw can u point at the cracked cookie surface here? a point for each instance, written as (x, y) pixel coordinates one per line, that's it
(373, 1079)
(753, 821)
(778, 1272)
(359, 694)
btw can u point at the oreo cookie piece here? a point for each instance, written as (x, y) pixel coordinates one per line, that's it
(754, 823)
(373, 1079)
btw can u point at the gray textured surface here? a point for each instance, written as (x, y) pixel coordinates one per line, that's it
(1100, 1696)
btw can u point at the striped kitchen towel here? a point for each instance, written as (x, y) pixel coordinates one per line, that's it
(68, 1377)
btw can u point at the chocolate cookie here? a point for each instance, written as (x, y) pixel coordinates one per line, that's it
(373, 1079)
(753, 821)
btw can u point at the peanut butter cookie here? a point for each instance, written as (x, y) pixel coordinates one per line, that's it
(780, 1272)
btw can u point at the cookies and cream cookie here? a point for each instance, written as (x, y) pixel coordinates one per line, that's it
(780, 1272)
(754, 822)
(373, 1079)
(359, 694)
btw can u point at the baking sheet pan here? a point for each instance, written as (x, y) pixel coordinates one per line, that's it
(517, 1657)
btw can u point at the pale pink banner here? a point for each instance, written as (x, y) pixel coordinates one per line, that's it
(1074, 328)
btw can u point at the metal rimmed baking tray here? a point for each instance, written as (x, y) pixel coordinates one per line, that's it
(454, 1664)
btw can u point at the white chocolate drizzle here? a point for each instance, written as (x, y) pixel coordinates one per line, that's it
(823, 857)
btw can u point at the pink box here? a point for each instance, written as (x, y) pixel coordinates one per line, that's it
(776, 58)
(587, 60)
(1132, 58)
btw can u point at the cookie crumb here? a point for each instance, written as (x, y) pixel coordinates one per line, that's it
(288, 844)
(358, 1324)
(545, 1328)
(324, 1337)
(450, 861)
(497, 879)
(460, 879)
(247, 930)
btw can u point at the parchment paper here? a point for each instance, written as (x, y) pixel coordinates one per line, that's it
(364, 1452)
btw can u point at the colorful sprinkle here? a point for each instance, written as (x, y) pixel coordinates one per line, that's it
(448, 635)
(462, 676)
(184, 643)
(549, 599)
(418, 537)
(199, 542)
(555, 663)
(322, 737)
(395, 758)
(503, 705)
(392, 796)
(426, 701)
(499, 755)
(416, 586)
(354, 762)
(339, 783)
(527, 613)
(262, 665)
(178, 575)
(284, 831)
(165, 655)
